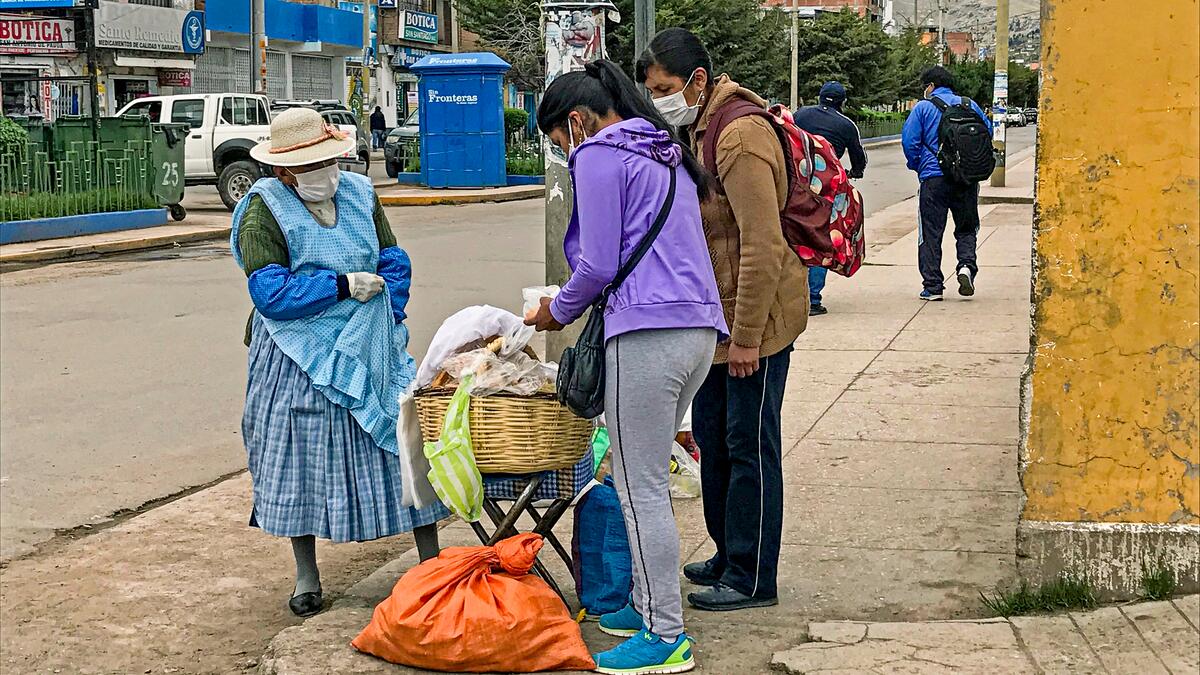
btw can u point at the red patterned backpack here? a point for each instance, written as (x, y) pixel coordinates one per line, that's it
(823, 218)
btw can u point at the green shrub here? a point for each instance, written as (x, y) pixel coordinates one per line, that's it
(525, 159)
(515, 120)
(12, 137)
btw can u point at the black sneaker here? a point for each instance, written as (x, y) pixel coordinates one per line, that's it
(703, 573)
(817, 310)
(721, 598)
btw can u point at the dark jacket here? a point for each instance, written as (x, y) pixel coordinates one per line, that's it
(841, 132)
(378, 121)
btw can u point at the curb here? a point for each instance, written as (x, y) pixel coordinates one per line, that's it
(531, 192)
(69, 252)
(881, 141)
(1006, 199)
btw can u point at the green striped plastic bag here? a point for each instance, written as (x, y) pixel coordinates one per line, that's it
(453, 472)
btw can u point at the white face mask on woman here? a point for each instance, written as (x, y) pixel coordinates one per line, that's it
(318, 185)
(675, 109)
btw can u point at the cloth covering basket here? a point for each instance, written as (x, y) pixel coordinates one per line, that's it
(513, 434)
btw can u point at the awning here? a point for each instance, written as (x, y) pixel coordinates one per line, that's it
(139, 62)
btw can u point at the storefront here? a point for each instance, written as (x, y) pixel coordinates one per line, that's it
(143, 47)
(406, 80)
(35, 46)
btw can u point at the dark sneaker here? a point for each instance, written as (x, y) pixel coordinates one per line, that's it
(817, 310)
(721, 598)
(930, 296)
(703, 573)
(966, 282)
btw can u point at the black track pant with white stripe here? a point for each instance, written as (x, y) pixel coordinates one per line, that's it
(736, 423)
(650, 379)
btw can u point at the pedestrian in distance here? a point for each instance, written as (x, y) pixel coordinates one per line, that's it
(947, 141)
(763, 288)
(634, 180)
(378, 128)
(827, 120)
(328, 357)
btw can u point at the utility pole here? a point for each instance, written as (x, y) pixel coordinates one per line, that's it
(643, 26)
(1000, 92)
(363, 103)
(941, 49)
(93, 67)
(258, 47)
(795, 55)
(454, 26)
(574, 33)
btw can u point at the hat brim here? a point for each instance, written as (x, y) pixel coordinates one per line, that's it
(331, 148)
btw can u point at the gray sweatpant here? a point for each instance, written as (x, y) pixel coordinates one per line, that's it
(650, 379)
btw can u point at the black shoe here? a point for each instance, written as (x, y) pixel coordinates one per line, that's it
(721, 598)
(817, 310)
(703, 573)
(307, 604)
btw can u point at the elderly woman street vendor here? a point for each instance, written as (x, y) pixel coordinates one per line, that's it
(328, 355)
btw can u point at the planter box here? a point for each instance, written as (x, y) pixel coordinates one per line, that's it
(17, 231)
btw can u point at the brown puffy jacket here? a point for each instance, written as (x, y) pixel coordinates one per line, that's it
(763, 285)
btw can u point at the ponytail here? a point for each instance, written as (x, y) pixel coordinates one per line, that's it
(602, 88)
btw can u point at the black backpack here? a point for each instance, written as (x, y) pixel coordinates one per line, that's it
(965, 152)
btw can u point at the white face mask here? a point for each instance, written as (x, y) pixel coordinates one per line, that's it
(318, 185)
(675, 109)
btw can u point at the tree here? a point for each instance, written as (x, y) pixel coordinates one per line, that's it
(744, 41)
(512, 29)
(974, 79)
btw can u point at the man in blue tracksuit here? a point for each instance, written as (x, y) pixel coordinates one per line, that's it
(826, 120)
(939, 195)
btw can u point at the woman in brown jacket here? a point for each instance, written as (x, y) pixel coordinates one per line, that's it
(764, 291)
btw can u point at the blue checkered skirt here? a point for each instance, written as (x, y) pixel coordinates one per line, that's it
(315, 471)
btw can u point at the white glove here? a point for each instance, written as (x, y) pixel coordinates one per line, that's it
(364, 285)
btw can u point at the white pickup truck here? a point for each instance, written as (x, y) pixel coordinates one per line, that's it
(224, 128)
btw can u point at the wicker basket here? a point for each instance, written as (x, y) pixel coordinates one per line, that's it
(513, 434)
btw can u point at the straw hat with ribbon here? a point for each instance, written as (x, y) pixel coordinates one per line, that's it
(301, 136)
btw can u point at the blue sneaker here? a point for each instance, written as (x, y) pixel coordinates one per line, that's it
(930, 296)
(647, 653)
(625, 622)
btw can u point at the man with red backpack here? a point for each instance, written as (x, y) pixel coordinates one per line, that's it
(948, 141)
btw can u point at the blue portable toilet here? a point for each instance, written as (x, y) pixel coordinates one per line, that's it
(462, 120)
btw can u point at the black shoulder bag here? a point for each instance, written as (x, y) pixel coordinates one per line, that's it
(581, 369)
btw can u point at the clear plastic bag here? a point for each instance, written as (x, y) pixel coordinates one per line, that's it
(685, 473)
(514, 374)
(533, 297)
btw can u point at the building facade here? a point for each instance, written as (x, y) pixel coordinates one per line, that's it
(144, 47)
(410, 30)
(868, 9)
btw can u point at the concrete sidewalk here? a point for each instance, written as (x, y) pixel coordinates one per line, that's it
(900, 429)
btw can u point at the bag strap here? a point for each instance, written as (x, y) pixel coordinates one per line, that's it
(939, 103)
(644, 245)
(721, 119)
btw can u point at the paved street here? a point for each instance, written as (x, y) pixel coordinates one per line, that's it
(123, 376)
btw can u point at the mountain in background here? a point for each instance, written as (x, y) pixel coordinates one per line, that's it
(978, 17)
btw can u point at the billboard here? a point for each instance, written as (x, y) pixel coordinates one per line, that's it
(419, 26)
(143, 27)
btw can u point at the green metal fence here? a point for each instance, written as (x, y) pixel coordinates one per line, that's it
(879, 128)
(83, 178)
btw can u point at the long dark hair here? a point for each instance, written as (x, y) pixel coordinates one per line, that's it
(677, 51)
(602, 88)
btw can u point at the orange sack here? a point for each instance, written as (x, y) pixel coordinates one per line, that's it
(477, 609)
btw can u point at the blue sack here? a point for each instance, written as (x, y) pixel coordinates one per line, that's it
(603, 566)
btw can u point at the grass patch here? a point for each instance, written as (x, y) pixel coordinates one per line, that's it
(1158, 582)
(1065, 592)
(51, 205)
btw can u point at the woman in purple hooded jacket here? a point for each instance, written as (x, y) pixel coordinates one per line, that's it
(662, 326)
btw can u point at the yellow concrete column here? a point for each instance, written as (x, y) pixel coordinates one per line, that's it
(1111, 453)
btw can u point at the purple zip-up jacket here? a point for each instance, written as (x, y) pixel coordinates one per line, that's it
(621, 177)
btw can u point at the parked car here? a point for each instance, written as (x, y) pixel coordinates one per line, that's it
(1015, 117)
(398, 140)
(1031, 115)
(223, 129)
(337, 114)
